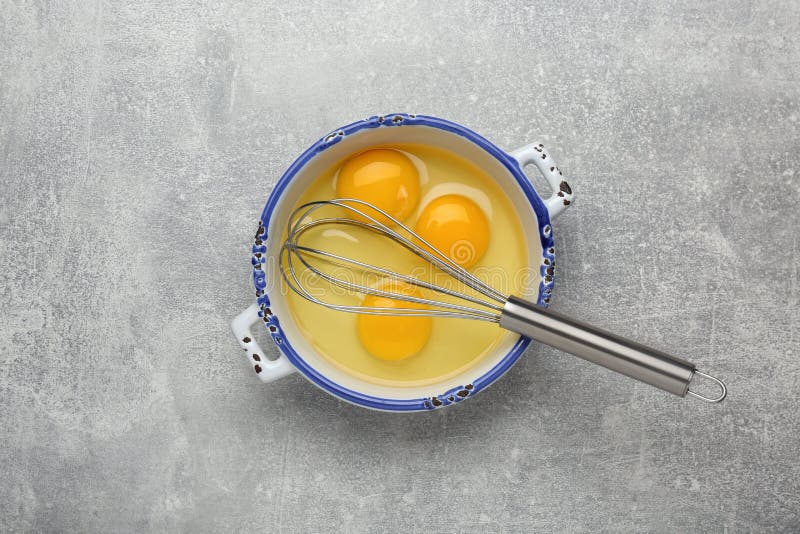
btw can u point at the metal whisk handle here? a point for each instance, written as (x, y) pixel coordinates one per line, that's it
(629, 358)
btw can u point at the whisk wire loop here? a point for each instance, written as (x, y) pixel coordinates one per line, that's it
(300, 222)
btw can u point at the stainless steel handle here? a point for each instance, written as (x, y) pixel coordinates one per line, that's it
(627, 357)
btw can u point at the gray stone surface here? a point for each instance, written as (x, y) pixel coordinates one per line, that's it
(138, 143)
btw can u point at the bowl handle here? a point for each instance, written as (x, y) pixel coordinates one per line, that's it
(562, 193)
(267, 370)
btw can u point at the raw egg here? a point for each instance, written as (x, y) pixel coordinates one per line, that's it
(390, 337)
(383, 177)
(457, 227)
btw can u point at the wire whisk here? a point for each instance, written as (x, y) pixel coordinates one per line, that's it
(477, 300)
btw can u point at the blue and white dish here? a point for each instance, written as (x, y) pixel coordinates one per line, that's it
(270, 308)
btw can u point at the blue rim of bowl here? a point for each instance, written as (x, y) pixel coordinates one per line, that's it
(272, 323)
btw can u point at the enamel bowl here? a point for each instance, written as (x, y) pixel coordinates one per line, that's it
(296, 354)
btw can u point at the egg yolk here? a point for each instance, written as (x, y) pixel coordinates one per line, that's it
(391, 337)
(457, 227)
(383, 177)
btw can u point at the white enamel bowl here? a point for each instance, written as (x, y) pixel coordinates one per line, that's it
(270, 309)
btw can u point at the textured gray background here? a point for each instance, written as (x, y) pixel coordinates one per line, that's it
(139, 141)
